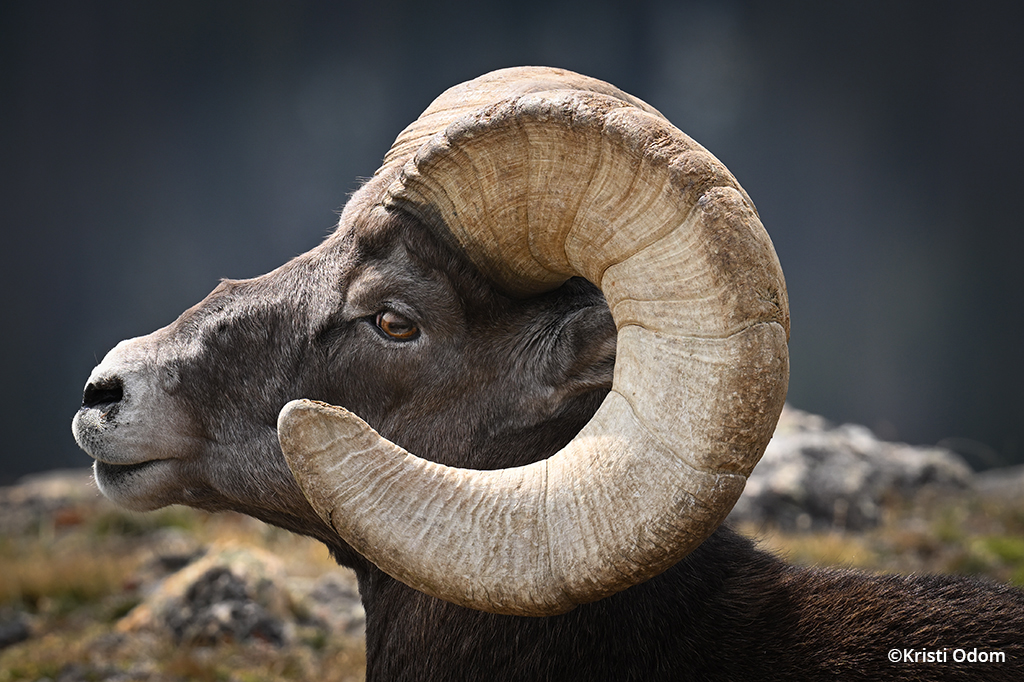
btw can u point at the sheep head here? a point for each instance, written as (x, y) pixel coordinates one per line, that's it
(539, 175)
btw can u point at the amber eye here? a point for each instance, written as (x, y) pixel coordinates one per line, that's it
(396, 326)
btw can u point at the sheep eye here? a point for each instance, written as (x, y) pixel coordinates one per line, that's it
(396, 326)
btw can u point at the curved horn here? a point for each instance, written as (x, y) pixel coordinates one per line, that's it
(538, 184)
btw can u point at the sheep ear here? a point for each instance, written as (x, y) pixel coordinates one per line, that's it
(583, 357)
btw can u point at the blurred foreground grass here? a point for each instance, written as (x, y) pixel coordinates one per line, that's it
(74, 571)
(938, 532)
(75, 568)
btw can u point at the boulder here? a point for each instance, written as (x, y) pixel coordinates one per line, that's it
(239, 593)
(232, 593)
(817, 475)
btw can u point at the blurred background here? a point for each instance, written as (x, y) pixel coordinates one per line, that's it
(149, 149)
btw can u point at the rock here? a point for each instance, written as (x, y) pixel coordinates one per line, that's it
(814, 474)
(1006, 483)
(237, 593)
(173, 550)
(53, 497)
(219, 606)
(233, 593)
(14, 627)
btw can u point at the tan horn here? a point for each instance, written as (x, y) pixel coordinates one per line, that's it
(537, 181)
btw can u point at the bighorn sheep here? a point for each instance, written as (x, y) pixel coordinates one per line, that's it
(453, 312)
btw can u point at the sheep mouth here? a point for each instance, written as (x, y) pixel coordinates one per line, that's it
(140, 486)
(118, 472)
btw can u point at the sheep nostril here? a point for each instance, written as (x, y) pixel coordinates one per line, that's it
(103, 393)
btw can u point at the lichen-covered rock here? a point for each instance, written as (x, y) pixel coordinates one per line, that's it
(232, 593)
(220, 606)
(236, 593)
(814, 474)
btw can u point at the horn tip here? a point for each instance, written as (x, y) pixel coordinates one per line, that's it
(297, 411)
(308, 426)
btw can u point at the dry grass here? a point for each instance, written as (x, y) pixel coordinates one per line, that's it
(92, 652)
(47, 576)
(961, 534)
(77, 575)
